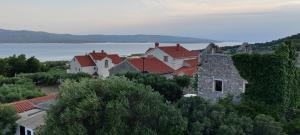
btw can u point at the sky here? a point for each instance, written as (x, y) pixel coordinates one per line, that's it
(238, 20)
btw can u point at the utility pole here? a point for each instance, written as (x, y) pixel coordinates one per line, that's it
(143, 58)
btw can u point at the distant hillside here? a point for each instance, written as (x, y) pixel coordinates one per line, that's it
(268, 46)
(9, 36)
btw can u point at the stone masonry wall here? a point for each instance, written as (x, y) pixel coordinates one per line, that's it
(219, 67)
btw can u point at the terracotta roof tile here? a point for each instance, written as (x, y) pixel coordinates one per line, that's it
(26, 105)
(23, 106)
(177, 51)
(101, 55)
(190, 71)
(151, 65)
(85, 61)
(115, 58)
(192, 62)
(98, 55)
(44, 99)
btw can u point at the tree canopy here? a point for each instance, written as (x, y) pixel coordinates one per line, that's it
(112, 106)
(8, 118)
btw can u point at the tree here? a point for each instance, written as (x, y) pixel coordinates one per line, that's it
(287, 51)
(8, 118)
(3, 67)
(183, 81)
(266, 125)
(112, 106)
(169, 88)
(211, 119)
(33, 65)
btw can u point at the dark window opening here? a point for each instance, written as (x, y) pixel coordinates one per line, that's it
(22, 130)
(106, 64)
(166, 58)
(218, 85)
(28, 132)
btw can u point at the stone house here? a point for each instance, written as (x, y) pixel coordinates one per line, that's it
(94, 63)
(217, 75)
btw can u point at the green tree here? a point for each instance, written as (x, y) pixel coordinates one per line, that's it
(211, 119)
(3, 67)
(266, 125)
(112, 106)
(287, 50)
(183, 81)
(169, 88)
(33, 65)
(8, 118)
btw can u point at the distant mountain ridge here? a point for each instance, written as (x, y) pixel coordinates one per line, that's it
(24, 36)
(268, 46)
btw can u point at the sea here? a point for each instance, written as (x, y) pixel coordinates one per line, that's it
(66, 51)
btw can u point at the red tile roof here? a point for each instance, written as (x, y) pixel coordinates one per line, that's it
(177, 51)
(85, 61)
(115, 58)
(151, 65)
(196, 52)
(23, 106)
(98, 55)
(190, 71)
(192, 62)
(101, 55)
(26, 105)
(44, 99)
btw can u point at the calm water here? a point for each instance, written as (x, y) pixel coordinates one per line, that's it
(61, 51)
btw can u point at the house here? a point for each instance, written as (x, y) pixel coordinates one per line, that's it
(32, 113)
(148, 64)
(217, 75)
(94, 63)
(183, 61)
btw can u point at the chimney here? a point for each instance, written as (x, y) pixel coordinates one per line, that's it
(156, 44)
(102, 51)
(177, 46)
(94, 51)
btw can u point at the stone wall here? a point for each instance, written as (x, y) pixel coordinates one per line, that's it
(219, 67)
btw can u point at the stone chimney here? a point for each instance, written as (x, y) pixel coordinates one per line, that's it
(94, 51)
(245, 48)
(212, 49)
(102, 51)
(156, 44)
(177, 46)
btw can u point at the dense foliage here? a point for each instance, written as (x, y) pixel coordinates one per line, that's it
(53, 77)
(171, 89)
(271, 74)
(18, 90)
(205, 118)
(8, 117)
(273, 85)
(19, 64)
(112, 106)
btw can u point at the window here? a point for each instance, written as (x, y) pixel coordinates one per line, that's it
(28, 132)
(166, 58)
(106, 64)
(218, 84)
(22, 130)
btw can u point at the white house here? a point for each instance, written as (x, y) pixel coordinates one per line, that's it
(176, 57)
(94, 63)
(32, 113)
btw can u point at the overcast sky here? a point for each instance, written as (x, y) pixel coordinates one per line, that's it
(242, 20)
